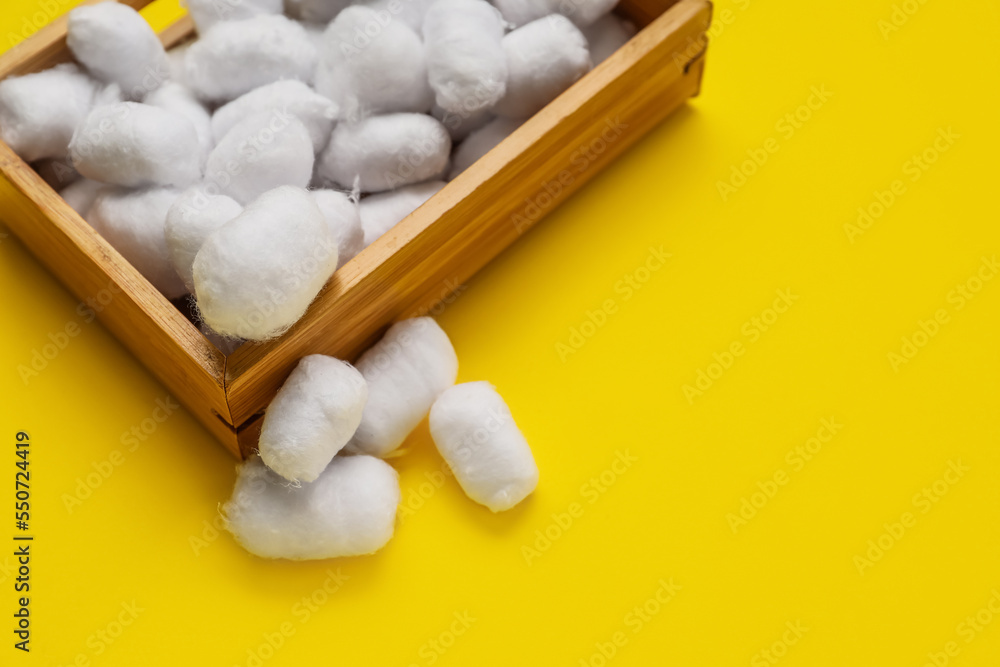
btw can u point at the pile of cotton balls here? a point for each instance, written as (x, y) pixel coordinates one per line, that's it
(245, 166)
(320, 487)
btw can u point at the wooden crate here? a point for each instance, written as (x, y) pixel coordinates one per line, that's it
(404, 273)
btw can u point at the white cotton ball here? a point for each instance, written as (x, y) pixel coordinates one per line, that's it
(475, 433)
(465, 59)
(109, 94)
(606, 35)
(117, 46)
(135, 144)
(349, 511)
(259, 154)
(370, 68)
(460, 125)
(382, 212)
(81, 195)
(481, 142)
(39, 112)
(312, 417)
(384, 152)
(315, 111)
(544, 58)
(317, 11)
(405, 371)
(342, 215)
(409, 12)
(234, 57)
(133, 222)
(178, 99)
(581, 12)
(206, 13)
(194, 215)
(256, 275)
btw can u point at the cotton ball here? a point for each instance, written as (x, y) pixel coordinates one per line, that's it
(176, 98)
(460, 125)
(256, 275)
(405, 371)
(194, 215)
(260, 153)
(117, 46)
(382, 212)
(410, 12)
(313, 416)
(465, 58)
(481, 142)
(315, 111)
(606, 35)
(581, 12)
(350, 510)
(544, 58)
(475, 433)
(109, 94)
(206, 13)
(370, 68)
(81, 195)
(384, 152)
(133, 221)
(39, 112)
(135, 144)
(317, 11)
(342, 215)
(234, 57)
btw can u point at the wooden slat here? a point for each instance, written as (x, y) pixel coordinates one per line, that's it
(470, 221)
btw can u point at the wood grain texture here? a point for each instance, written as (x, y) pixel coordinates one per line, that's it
(483, 211)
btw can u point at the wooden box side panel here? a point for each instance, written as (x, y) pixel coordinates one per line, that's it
(482, 211)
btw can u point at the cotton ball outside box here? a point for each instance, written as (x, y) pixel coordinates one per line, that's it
(234, 57)
(481, 142)
(206, 13)
(116, 45)
(178, 99)
(382, 212)
(293, 97)
(256, 275)
(465, 59)
(476, 435)
(350, 510)
(344, 219)
(607, 35)
(81, 195)
(384, 152)
(313, 416)
(544, 58)
(259, 154)
(405, 371)
(39, 112)
(368, 67)
(133, 222)
(135, 145)
(194, 215)
(581, 12)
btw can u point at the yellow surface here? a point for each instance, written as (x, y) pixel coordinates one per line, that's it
(665, 519)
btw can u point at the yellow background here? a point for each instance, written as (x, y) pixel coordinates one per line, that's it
(136, 537)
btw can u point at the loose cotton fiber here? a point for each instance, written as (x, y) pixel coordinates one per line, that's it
(349, 511)
(481, 142)
(344, 219)
(384, 152)
(194, 215)
(316, 112)
(313, 416)
(39, 112)
(206, 13)
(581, 12)
(607, 35)
(116, 45)
(135, 145)
(473, 429)
(260, 153)
(376, 73)
(405, 371)
(465, 59)
(544, 58)
(133, 222)
(257, 274)
(234, 57)
(382, 212)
